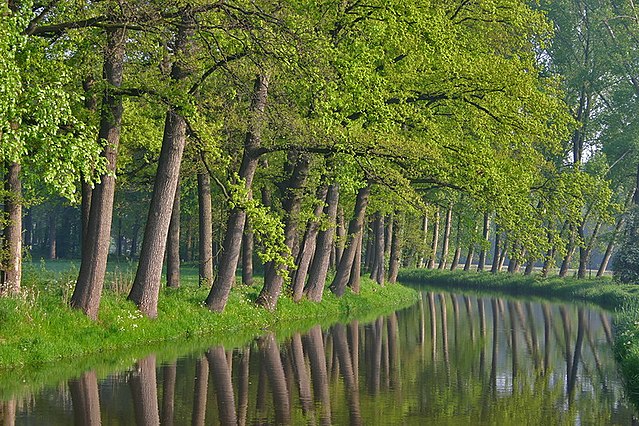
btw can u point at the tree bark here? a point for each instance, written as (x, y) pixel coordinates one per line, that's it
(292, 204)
(446, 242)
(205, 229)
(585, 252)
(88, 289)
(11, 264)
(457, 254)
(348, 260)
(173, 244)
(377, 272)
(434, 243)
(225, 278)
(168, 394)
(308, 246)
(146, 286)
(495, 268)
(481, 264)
(565, 264)
(247, 255)
(319, 269)
(355, 279)
(395, 251)
(340, 244)
(223, 385)
(422, 260)
(52, 234)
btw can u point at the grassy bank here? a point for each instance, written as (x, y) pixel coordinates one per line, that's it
(38, 331)
(623, 299)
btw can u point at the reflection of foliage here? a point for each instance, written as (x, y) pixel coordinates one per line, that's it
(626, 262)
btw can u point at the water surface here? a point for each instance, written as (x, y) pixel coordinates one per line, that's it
(449, 359)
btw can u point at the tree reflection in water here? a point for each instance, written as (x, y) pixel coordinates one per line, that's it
(450, 359)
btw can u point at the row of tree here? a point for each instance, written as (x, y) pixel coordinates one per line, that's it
(334, 113)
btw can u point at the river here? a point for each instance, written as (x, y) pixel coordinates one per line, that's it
(449, 359)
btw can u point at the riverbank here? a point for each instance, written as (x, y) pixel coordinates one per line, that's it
(39, 332)
(623, 299)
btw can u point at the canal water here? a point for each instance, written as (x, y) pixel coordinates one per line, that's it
(449, 359)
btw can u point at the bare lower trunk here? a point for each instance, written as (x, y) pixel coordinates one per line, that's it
(377, 272)
(11, 263)
(247, 255)
(205, 229)
(319, 269)
(218, 296)
(565, 264)
(308, 247)
(354, 281)
(395, 252)
(585, 252)
(173, 244)
(434, 243)
(481, 264)
(495, 268)
(349, 259)
(88, 288)
(445, 243)
(146, 286)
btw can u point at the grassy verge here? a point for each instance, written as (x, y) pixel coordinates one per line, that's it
(42, 339)
(623, 299)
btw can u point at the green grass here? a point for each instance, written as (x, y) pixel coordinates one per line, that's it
(43, 340)
(622, 299)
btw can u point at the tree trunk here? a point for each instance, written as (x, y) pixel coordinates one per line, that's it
(585, 252)
(11, 262)
(481, 264)
(200, 391)
(457, 254)
(341, 236)
(225, 278)
(173, 244)
(319, 269)
(434, 243)
(247, 255)
(565, 264)
(88, 289)
(168, 394)
(52, 234)
(146, 286)
(349, 261)
(395, 252)
(422, 260)
(308, 246)
(377, 272)
(495, 268)
(292, 204)
(354, 281)
(609, 249)
(205, 229)
(445, 243)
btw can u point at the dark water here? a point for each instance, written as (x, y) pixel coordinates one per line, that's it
(448, 360)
